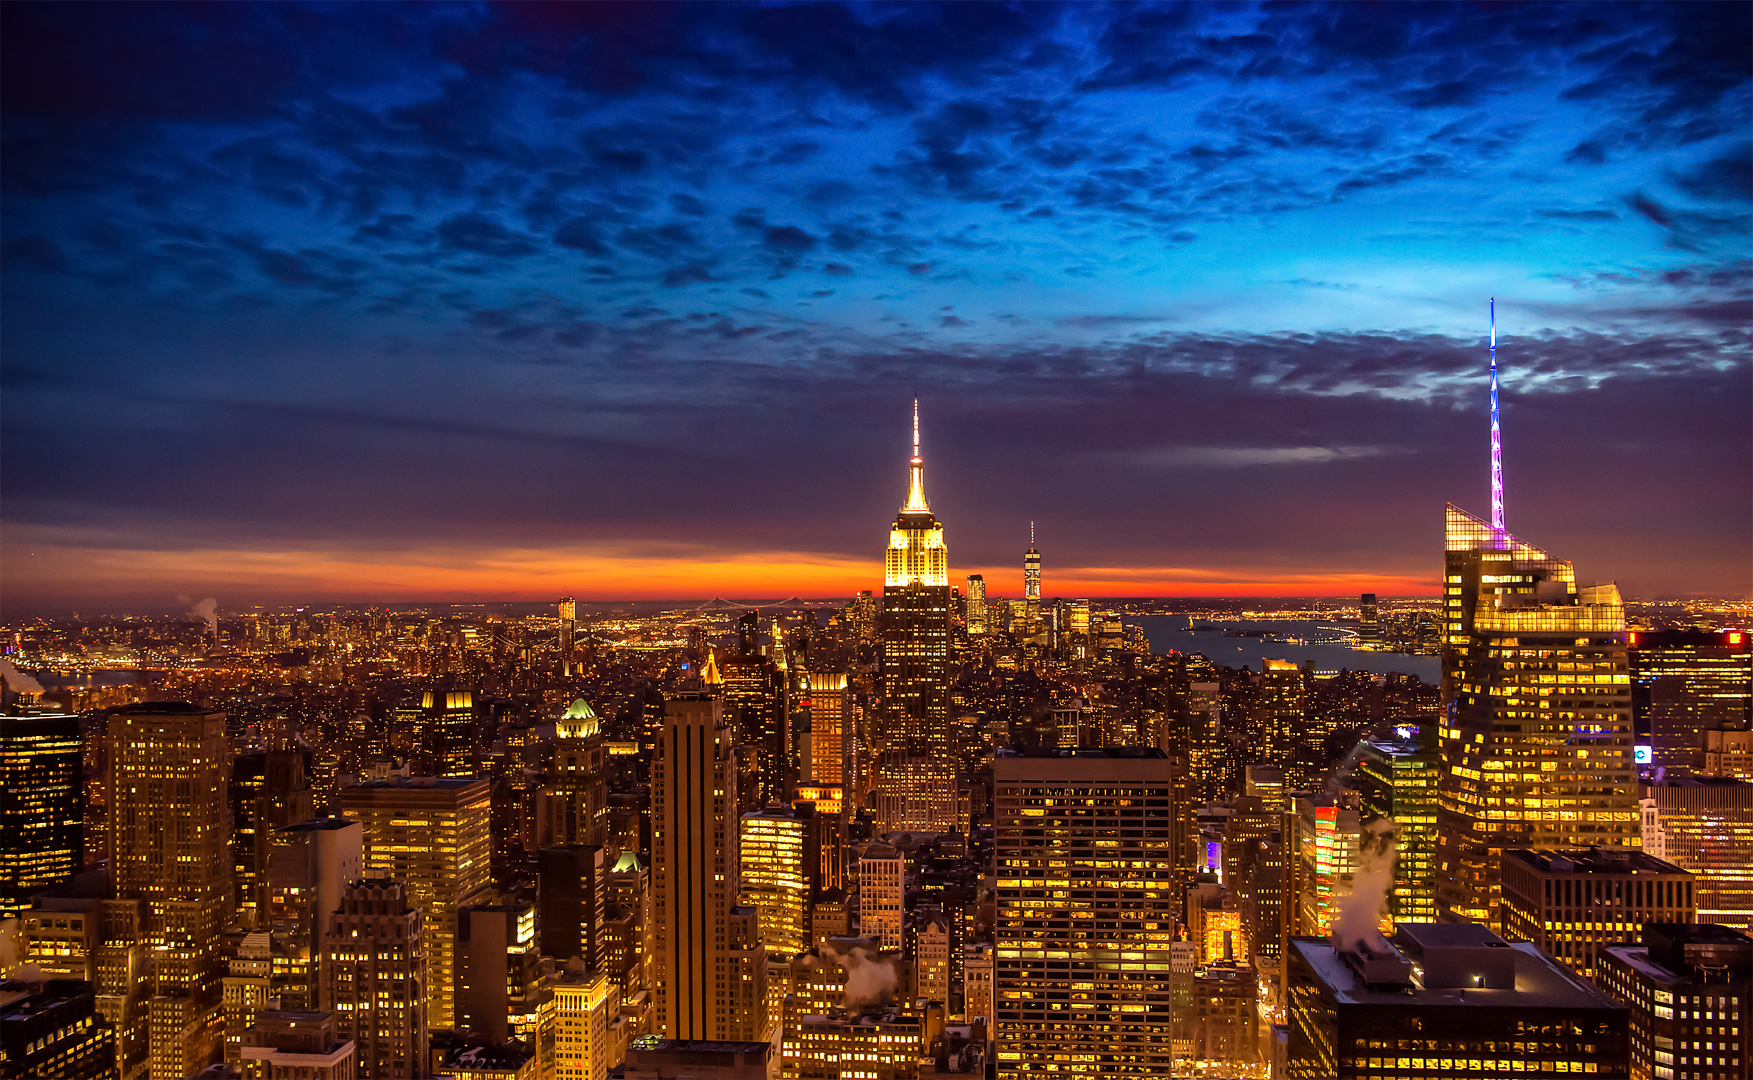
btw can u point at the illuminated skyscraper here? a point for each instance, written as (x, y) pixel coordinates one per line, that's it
(1396, 781)
(169, 837)
(431, 834)
(42, 806)
(375, 979)
(1087, 907)
(1689, 988)
(701, 943)
(915, 624)
(498, 970)
(882, 908)
(1369, 620)
(576, 799)
(776, 877)
(1571, 902)
(976, 604)
(754, 709)
(1537, 728)
(1697, 682)
(1536, 736)
(1032, 571)
(1705, 824)
(567, 640)
(309, 865)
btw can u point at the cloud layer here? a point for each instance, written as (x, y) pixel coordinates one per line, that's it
(1195, 287)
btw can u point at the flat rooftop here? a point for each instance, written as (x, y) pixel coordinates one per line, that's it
(1592, 861)
(1541, 983)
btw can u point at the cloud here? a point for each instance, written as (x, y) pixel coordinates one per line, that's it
(1229, 457)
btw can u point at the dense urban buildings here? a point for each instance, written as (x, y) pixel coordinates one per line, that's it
(905, 833)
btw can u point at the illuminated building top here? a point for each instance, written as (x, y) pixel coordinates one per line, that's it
(916, 555)
(1031, 569)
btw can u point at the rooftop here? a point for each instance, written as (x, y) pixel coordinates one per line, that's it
(1540, 982)
(1592, 861)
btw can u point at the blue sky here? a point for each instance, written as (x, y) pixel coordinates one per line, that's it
(1201, 288)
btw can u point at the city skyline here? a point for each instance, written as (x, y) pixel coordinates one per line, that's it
(456, 304)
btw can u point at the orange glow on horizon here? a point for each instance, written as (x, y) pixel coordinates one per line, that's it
(642, 572)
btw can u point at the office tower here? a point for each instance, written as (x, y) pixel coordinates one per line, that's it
(977, 1000)
(445, 736)
(575, 800)
(169, 836)
(976, 605)
(1571, 902)
(776, 876)
(375, 977)
(1697, 681)
(916, 626)
(497, 970)
(626, 919)
(1369, 620)
(1254, 871)
(247, 989)
(928, 942)
(1329, 843)
(881, 894)
(1032, 575)
(51, 1028)
(1445, 1000)
(741, 1003)
(567, 640)
(571, 898)
(916, 793)
(830, 739)
(754, 708)
(1536, 737)
(42, 806)
(585, 1025)
(1396, 782)
(286, 1044)
(1206, 757)
(696, 934)
(268, 792)
(1226, 1026)
(882, 1044)
(1728, 754)
(1283, 711)
(431, 834)
(1086, 905)
(309, 864)
(1705, 825)
(1689, 989)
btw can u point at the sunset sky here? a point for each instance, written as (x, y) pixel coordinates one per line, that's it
(428, 302)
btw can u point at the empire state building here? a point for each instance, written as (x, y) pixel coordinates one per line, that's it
(916, 624)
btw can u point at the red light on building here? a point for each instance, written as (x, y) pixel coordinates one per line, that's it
(1736, 637)
(1631, 638)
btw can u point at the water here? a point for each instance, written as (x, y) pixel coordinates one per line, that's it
(1167, 632)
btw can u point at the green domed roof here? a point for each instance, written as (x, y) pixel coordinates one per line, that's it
(580, 710)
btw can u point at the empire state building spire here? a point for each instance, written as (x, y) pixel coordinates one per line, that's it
(916, 503)
(916, 554)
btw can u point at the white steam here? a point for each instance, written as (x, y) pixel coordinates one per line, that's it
(869, 980)
(18, 680)
(206, 609)
(1361, 912)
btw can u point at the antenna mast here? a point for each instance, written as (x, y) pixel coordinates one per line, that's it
(1496, 433)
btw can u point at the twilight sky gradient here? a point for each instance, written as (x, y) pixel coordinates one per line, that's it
(391, 302)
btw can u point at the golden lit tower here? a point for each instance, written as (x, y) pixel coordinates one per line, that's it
(1032, 570)
(431, 834)
(41, 806)
(916, 623)
(169, 845)
(568, 636)
(1536, 732)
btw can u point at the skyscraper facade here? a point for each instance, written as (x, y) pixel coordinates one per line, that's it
(1032, 570)
(915, 630)
(696, 938)
(1536, 734)
(432, 834)
(1396, 781)
(776, 877)
(1695, 682)
(376, 980)
(42, 806)
(1705, 824)
(1087, 907)
(169, 834)
(567, 639)
(976, 604)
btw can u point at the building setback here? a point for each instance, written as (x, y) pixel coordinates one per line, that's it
(1570, 902)
(1689, 989)
(1445, 1000)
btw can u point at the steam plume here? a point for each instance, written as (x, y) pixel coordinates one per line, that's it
(18, 680)
(207, 609)
(1361, 912)
(868, 981)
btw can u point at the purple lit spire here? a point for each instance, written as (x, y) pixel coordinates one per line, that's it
(1496, 433)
